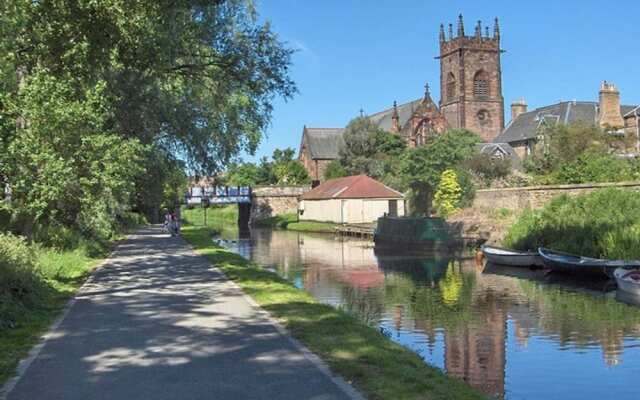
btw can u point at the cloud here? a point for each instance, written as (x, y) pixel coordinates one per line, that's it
(303, 49)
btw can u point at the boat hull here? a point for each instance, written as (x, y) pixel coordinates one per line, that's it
(569, 263)
(513, 258)
(626, 285)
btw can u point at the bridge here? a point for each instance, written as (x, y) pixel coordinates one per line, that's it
(254, 204)
(197, 195)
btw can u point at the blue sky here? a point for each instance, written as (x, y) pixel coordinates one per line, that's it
(357, 53)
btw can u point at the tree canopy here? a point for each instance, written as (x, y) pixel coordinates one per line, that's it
(106, 103)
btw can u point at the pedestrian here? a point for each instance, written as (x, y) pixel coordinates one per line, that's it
(175, 224)
(167, 222)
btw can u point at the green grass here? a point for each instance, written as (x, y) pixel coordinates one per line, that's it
(60, 273)
(216, 215)
(312, 226)
(601, 224)
(377, 366)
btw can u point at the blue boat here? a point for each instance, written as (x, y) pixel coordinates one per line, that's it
(574, 264)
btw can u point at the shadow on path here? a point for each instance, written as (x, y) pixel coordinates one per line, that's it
(157, 322)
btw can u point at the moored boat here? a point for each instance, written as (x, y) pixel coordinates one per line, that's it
(628, 280)
(571, 263)
(514, 258)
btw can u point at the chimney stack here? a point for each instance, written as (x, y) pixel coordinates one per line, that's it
(518, 107)
(610, 115)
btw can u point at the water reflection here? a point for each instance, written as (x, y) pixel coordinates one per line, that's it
(511, 333)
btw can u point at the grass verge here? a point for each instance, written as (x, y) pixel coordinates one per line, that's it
(373, 363)
(47, 279)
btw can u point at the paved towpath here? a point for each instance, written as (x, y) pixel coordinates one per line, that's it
(158, 322)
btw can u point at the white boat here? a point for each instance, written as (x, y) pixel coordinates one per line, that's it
(513, 258)
(628, 280)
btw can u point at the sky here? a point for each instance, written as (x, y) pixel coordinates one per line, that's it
(354, 54)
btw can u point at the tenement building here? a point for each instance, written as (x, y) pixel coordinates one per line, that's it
(470, 98)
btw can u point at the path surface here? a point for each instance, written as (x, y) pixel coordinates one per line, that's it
(157, 322)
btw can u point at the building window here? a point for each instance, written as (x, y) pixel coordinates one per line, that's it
(481, 85)
(451, 87)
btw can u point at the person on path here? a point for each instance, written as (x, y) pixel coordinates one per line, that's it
(175, 224)
(167, 222)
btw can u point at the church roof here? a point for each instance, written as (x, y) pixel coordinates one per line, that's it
(525, 126)
(352, 187)
(323, 143)
(383, 118)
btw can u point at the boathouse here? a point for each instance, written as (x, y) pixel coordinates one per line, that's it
(350, 200)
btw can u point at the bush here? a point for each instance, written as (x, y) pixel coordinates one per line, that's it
(488, 168)
(20, 283)
(56, 236)
(594, 167)
(131, 220)
(602, 224)
(448, 195)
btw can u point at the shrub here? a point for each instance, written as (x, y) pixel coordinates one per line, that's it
(488, 168)
(602, 224)
(449, 193)
(594, 167)
(20, 283)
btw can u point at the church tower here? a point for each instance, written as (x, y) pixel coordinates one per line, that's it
(471, 80)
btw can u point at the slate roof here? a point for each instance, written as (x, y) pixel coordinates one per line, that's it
(504, 148)
(525, 126)
(383, 118)
(629, 111)
(352, 187)
(323, 143)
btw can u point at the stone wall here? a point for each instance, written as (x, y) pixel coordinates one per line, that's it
(517, 199)
(269, 201)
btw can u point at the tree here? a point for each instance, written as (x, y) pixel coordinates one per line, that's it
(422, 167)
(358, 154)
(561, 143)
(448, 194)
(97, 95)
(282, 169)
(334, 170)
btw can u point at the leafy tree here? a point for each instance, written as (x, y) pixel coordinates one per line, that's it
(334, 170)
(282, 169)
(422, 167)
(243, 174)
(448, 194)
(561, 143)
(389, 144)
(97, 95)
(286, 170)
(358, 154)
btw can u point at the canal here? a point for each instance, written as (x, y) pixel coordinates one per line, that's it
(512, 334)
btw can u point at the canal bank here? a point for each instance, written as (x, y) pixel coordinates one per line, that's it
(509, 333)
(362, 355)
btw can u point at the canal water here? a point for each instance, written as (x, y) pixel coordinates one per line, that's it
(510, 333)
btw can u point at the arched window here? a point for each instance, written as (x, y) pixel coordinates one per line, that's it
(481, 84)
(451, 86)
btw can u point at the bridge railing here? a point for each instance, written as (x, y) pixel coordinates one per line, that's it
(218, 194)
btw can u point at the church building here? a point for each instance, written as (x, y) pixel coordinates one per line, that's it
(470, 98)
